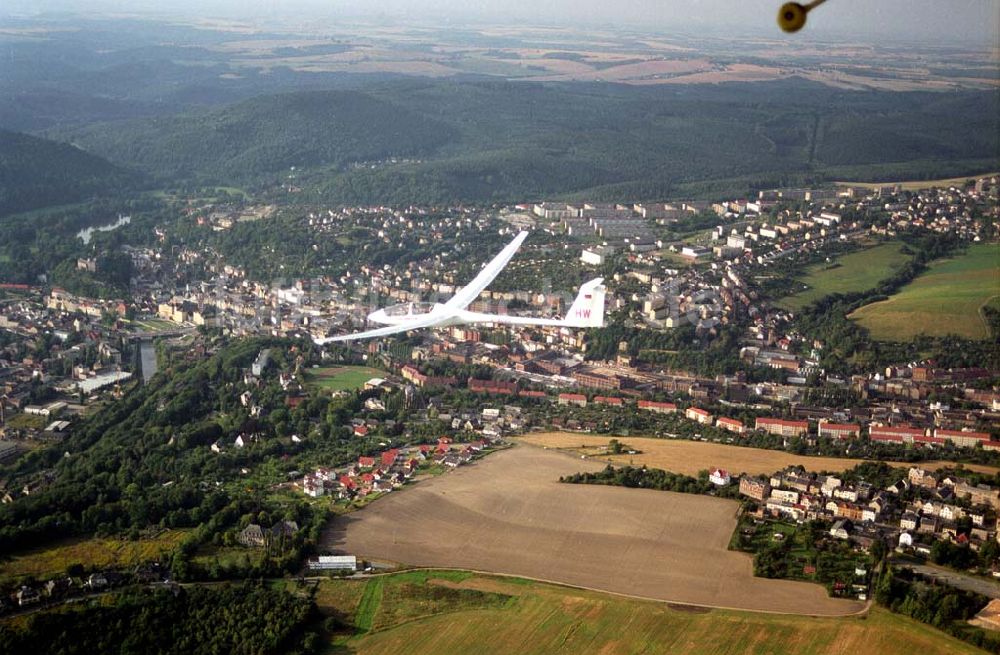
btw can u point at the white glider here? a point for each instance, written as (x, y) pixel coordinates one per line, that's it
(587, 310)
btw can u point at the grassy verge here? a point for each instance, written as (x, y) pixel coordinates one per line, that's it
(364, 617)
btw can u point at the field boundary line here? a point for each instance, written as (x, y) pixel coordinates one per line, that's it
(568, 585)
(981, 312)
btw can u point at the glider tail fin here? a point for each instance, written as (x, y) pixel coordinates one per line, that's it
(588, 308)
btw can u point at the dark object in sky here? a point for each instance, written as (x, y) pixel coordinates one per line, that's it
(792, 15)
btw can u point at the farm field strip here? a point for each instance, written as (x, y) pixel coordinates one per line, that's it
(690, 457)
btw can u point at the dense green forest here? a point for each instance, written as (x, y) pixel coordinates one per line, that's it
(504, 141)
(269, 134)
(245, 619)
(36, 173)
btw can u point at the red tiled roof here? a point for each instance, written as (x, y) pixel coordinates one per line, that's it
(650, 404)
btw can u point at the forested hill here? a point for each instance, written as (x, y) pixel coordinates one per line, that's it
(36, 173)
(269, 134)
(484, 141)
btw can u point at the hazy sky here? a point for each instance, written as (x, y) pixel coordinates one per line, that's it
(941, 21)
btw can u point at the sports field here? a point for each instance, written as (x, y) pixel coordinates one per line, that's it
(856, 271)
(946, 299)
(508, 513)
(448, 612)
(690, 457)
(341, 378)
(154, 325)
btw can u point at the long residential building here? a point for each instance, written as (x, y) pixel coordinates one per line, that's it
(658, 407)
(577, 399)
(783, 428)
(895, 434)
(731, 424)
(839, 430)
(961, 438)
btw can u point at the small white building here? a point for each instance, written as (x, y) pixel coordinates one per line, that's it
(334, 563)
(597, 255)
(719, 477)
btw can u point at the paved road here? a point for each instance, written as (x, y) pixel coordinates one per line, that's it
(964, 581)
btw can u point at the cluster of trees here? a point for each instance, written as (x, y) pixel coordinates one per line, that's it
(678, 349)
(647, 478)
(110, 280)
(245, 619)
(939, 605)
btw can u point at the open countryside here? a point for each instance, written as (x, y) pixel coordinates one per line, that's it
(856, 271)
(341, 378)
(523, 616)
(509, 514)
(690, 457)
(947, 299)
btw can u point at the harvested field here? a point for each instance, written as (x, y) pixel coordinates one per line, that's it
(731, 73)
(641, 70)
(689, 457)
(509, 514)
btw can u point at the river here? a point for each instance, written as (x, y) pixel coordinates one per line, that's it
(86, 234)
(147, 357)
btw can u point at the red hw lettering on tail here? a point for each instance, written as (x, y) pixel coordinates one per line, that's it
(583, 313)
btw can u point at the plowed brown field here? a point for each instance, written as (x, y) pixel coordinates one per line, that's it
(509, 514)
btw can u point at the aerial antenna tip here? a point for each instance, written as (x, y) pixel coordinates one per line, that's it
(792, 15)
